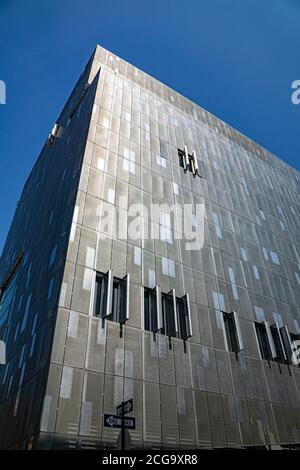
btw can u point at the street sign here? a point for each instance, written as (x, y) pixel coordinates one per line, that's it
(125, 407)
(114, 421)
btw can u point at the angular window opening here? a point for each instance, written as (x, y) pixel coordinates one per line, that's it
(287, 341)
(265, 340)
(279, 347)
(190, 162)
(166, 313)
(102, 289)
(55, 131)
(289, 353)
(230, 332)
(181, 159)
(294, 337)
(112, 297)
(152, 309)
(184, 317)
(118, 311)
(233, 331)
(169, 317)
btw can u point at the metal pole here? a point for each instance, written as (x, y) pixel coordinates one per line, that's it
(123, 429)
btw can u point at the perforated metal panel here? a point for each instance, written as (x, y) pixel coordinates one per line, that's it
(216, 420)
(151, 416)
(91, 408)
(170, 436)
(69, 403)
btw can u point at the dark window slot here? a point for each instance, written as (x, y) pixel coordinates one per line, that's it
(231, 332)
(263, 341)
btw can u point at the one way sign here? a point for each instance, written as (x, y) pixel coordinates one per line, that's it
(113, 421)
(125, 407)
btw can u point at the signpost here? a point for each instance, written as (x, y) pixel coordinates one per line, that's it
(125, 407)
(119, 421)
(126, 440)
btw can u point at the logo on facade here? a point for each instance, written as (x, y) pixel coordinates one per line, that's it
(2, 92)
(165, 222)
(296, 352)
(2, 352)
(296, 94)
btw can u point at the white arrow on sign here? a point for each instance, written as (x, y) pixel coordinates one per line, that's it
(112, 421)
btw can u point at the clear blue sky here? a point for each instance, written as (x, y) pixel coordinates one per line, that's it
(236, 58)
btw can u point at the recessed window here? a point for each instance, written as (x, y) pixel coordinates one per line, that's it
(176, 316)
(279, 347)
(233, 332)
(152, 309)
(181, 159)
(112, 297)
(265, 340)
(294, 337)
(102, 287)
(184, 317)
(169, 317)
(54, 133)
(189, 162)
(287, 340)
(118, 311)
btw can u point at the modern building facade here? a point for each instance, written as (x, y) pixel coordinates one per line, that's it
(200, 339)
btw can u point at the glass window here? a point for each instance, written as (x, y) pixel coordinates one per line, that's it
(169, 317)
(280, 353)
(183, 317)
(101, 295)
(263, 340)
(7, 298)
(111, 297)
(181, 158)
(150, 309)
(287, 340)
(52, 256)
(191, 163)
(230, 332)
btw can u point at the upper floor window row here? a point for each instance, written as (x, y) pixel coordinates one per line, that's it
(275, 342)
(166, 313)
